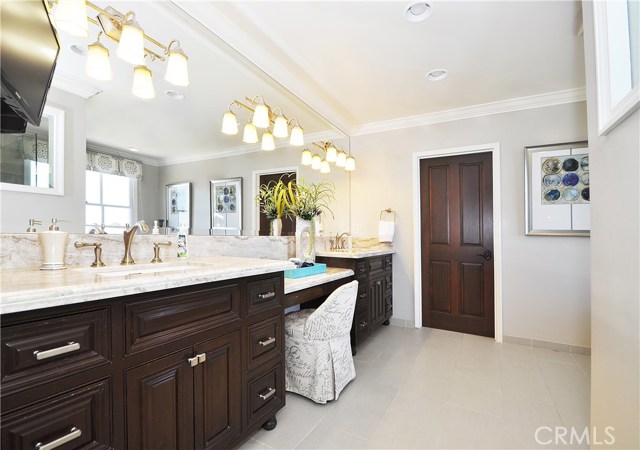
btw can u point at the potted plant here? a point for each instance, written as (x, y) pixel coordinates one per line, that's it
(275, 204)
(309, 201)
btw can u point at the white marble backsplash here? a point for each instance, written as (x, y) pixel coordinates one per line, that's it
(22, 250)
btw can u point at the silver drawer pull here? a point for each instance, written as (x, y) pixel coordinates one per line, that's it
(266, 295)
(269, 394)
(70, 347)
(269, 341)
(73, 434)
(193, 361)
(202, 357)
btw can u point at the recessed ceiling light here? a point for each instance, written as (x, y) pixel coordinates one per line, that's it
(417, 11)
(437, 75)
(175, 95)
(132, 149)
(78, 49)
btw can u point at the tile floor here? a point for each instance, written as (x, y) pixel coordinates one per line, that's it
(430, 388)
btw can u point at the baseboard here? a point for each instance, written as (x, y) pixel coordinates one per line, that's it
(555, 346)
(401, 322)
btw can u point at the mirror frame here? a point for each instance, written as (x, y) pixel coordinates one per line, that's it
(55, 117)
(168, 190)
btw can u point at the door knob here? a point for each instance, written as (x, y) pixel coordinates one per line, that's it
(487, 255)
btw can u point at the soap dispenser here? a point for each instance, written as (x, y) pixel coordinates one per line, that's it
(52, 245)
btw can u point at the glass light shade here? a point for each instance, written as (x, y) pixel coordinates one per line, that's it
(250, 134)
(131, 46)
(229, 123)
(261, 116)
(350, 164)
(280, 127)
(71, 16)
(341, 159)
(177, 68)
(98, 65)
(306, 157)
(142, 83)
(297, 137)
(324, 167)
(316, 162)
(332, 154)
(267, 141)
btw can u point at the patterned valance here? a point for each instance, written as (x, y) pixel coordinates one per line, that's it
(114, 165)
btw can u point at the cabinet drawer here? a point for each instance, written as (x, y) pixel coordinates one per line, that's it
(156, 321)
(361, 270)
(361, 323)
(265, 395)
(264, 341)
(376, 264)
(363, 297)
(77, 419)
(263, 295)
(44, 350)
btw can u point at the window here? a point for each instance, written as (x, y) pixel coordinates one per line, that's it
(110, 201)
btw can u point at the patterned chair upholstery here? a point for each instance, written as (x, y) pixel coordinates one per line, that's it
(318, 361)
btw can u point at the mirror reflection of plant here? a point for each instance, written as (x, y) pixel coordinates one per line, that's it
(274, 200)
(311, 200)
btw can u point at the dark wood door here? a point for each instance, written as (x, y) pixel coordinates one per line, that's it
(159, 404)
(457, 243)
(288, 225)
(218, 398)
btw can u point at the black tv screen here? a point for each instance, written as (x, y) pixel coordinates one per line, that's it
(28, 50)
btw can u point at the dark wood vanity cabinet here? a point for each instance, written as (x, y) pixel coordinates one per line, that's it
(198, 367)
(374, 305)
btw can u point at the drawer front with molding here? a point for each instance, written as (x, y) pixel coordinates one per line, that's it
(361, 270)
(265, 394)
(76, 419)
(265, 342)
(362, 301)
(154, 322)
(376, 264)
(361, 323)
(44, 350)
(263, 295)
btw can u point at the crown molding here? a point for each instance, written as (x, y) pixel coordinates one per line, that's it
(74, 86)
(248, 148)
(468, 112)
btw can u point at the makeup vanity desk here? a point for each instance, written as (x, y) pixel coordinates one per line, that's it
(314, 287)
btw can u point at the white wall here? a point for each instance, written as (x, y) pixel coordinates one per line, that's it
(615, 268)
(16, 208)
(546, 279)
(199, 173)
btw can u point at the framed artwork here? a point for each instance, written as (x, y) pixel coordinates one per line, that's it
(226, 207)
(557, 190)
(178, 206)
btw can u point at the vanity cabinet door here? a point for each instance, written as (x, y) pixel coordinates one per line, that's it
(377, 308)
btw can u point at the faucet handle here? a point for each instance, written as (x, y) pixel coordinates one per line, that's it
(97, 251)
(156, 251)
(32, 224)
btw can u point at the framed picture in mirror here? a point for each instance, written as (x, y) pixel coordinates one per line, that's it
(226, 207)
(557, 190)
(178, 206)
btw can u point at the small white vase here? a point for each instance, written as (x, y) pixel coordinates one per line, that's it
(305, 239)
(276, 227)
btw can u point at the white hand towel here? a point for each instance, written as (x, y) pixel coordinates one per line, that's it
(386, 229)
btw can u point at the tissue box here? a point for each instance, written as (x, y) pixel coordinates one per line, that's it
(306, 271)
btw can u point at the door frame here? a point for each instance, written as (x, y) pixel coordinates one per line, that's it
(494, 149)
(255, 187)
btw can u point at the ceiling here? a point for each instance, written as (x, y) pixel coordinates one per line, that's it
(348, 65)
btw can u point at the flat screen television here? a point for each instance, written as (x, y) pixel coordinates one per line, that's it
(29, 49)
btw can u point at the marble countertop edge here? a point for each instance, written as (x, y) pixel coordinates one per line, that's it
(356, 253)
(298, 284)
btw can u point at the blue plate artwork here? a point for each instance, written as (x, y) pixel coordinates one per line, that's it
(584, 163)
(570, 165)
(585, 194)
(570, 179)
(551, 165)
(551, 195)
(552, 180)
(585, 178)
(570, 195)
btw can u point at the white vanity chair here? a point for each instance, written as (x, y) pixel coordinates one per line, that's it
(318, 361)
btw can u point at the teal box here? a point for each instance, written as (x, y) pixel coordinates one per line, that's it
(306, 271)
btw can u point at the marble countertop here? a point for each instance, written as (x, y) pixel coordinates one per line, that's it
(28, 289)
(332, 274)
(356, 253)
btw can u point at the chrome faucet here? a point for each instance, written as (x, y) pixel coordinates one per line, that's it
(128, 240)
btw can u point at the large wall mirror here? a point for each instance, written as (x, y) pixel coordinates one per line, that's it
(34, 161)
(177, 133)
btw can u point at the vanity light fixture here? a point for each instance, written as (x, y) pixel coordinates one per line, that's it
(71, 16)
(306, 157)
(324, 167)
(316, 162)
(331, 154)
(341, 159)
(142, 83)
(350, 164)
(263, 116)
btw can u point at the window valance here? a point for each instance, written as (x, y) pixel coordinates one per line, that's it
(114, 165)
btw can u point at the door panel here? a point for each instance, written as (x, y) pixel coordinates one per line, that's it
(288, 224)
(457, 231)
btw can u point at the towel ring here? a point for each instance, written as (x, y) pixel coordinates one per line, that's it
(388, 211)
